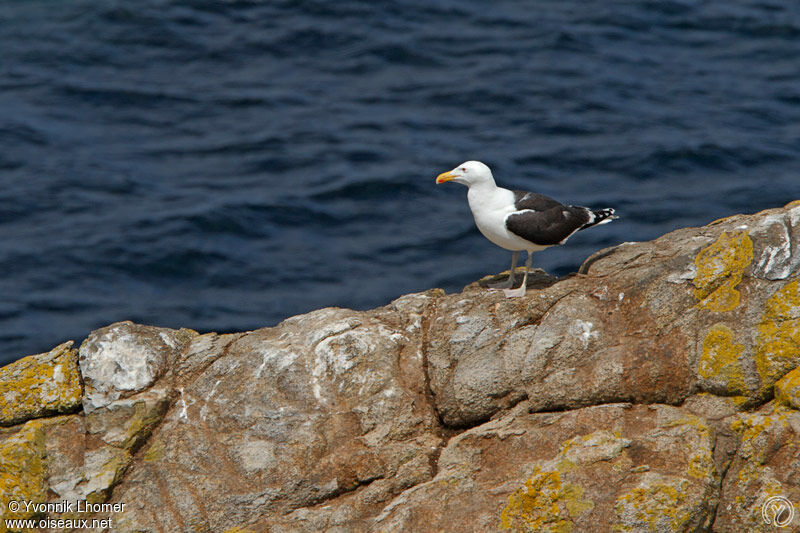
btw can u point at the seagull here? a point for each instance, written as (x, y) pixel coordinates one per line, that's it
(520, 220)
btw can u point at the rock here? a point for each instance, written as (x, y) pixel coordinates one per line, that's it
(126, 369)
(22, 469)
(767, 464)
(65, 451)
(655, 390)
(787, 389)
(125, 358)
(625, 467)
(40, 385)
(323, 405)
(82, 457)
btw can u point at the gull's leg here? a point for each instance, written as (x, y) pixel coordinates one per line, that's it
(507, 284)
(520, 291)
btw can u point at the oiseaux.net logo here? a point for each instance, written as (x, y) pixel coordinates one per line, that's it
(777, 511)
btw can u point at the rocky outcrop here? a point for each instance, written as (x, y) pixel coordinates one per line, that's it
(40, 385)
(656, 390)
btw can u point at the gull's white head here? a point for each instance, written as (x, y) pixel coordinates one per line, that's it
(468, 173)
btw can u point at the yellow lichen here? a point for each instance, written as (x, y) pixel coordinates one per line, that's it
(565, 465)
(753, 449)
(762, 435)
(39, 385)
(549, 503)
(701, 464)
(145, 417)
(155, 452)
(787, 389)
(110, 473)
(739, 401)
(751, 427)
(576, 505)
(656, 505)
(23, 468)
(720, 358)
(720, 267)
(544, 504)
(778, 345)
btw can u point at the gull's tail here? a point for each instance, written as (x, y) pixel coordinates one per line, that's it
(600, 216)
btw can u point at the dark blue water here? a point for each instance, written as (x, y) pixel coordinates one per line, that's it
(224, 165)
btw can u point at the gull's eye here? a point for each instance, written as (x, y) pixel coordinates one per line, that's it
(463, 169)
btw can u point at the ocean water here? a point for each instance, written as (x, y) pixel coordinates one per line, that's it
(224, 165)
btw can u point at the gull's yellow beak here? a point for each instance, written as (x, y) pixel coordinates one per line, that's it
(444, 176)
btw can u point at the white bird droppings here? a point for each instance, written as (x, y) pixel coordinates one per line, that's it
(585, 330)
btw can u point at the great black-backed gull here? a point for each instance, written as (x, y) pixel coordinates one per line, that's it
(519, 220)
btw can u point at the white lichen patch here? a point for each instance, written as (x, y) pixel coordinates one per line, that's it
(183, 415)
(58, 377)
(415, 325)
(135, 365)
(658, 503)
(209, 398)
(343, 364)
(331, 329)
(777, 260)
(339, 353)
(584, 331)
(116, 362)
(316, 389)
(601, 445)
(277, 358)
(169, 340)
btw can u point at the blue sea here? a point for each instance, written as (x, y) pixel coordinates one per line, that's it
(224, 165)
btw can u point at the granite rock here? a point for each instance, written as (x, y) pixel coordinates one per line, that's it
(40, 385)
(655, 390)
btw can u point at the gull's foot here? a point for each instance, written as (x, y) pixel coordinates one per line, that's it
(515, 293)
